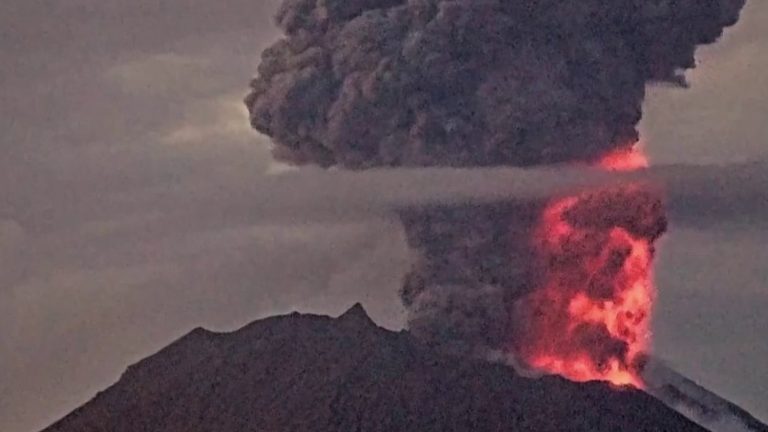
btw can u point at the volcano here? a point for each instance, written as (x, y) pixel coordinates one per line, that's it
(315, 373)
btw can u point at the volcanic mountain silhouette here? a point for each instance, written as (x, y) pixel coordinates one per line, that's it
(315, 373)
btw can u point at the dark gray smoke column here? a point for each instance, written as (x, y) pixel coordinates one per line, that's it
(368, 83)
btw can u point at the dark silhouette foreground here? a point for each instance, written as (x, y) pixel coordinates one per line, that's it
(314, 373)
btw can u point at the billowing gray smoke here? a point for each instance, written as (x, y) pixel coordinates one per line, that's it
(370, 83)
(363, 83)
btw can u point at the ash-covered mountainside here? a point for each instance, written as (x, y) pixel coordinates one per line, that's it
(313, 373)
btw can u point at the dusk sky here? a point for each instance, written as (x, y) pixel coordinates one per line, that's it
(113, 112)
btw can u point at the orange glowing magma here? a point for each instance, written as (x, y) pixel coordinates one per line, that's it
(625, 159)
(581, 335)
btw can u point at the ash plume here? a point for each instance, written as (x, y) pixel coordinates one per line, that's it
(472, 83)
(361, 83)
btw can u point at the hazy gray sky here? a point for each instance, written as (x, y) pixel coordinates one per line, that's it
(114, 111)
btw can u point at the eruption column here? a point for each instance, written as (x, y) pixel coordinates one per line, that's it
(590, 317)
(362, 84)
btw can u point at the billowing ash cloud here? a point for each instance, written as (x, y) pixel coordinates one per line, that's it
(372, 83)
(362, 83)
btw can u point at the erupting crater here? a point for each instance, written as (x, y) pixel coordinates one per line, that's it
(377, 84)
(589, 316)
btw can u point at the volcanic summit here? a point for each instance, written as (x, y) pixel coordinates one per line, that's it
(314, 373)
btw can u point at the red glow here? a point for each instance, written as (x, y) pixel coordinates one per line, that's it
(591, 312)
(625, 159)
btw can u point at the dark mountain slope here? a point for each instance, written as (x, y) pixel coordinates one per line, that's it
(313, 373)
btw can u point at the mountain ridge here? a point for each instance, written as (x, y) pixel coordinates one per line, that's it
(302, 372)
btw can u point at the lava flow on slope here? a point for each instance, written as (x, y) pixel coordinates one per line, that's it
(589, 316)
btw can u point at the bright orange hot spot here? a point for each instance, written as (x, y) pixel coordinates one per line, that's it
(590, 316)
(625, 159)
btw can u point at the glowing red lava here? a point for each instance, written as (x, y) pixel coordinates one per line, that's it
(590, 313)
(625, 159)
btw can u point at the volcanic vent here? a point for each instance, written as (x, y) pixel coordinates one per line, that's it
(565, 285)
(589, 316)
